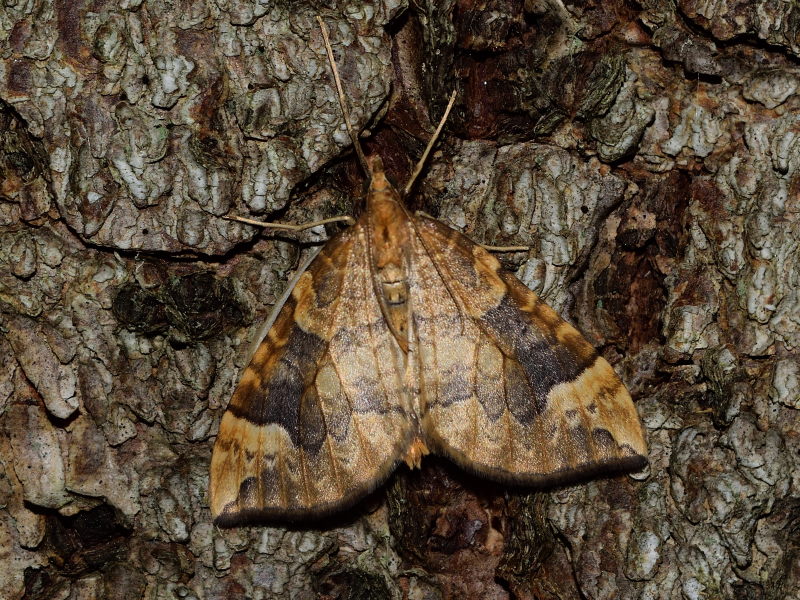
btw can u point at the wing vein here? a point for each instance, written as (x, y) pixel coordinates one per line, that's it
(461, 308)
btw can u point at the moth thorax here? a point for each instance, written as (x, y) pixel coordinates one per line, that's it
(388, 232)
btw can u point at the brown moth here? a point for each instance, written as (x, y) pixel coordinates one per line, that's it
(402, 338)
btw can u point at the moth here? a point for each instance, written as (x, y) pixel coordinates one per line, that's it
(402, 338)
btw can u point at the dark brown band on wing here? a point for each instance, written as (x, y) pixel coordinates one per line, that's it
(544, 361)
(287, 397)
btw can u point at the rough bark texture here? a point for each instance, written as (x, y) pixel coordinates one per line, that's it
(649, 154)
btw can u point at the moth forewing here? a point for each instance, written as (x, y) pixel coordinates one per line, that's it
(525, 398)
(319, 417)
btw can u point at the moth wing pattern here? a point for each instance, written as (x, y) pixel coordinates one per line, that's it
(512, 391)
(317, 420)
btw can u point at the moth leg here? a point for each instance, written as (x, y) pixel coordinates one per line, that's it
(505, 248)
(300, 227)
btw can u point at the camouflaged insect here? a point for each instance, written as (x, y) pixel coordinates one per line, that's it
(402, 338)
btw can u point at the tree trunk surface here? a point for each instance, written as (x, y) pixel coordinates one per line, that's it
(647, 152)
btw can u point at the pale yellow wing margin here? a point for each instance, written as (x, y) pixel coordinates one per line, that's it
(316, 420)
(513, 392)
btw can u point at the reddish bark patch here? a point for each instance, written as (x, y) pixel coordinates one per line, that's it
(632, 289)
(70, 15)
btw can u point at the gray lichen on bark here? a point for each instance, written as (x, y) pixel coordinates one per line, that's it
(648, 154)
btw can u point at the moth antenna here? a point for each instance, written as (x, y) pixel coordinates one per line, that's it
(342, 101)
(421, 163)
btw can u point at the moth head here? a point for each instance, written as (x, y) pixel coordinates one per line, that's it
(377, 176)
(375, 165)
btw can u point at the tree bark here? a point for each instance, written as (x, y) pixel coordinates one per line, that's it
(649, 155)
